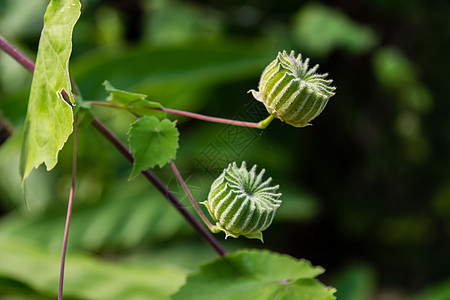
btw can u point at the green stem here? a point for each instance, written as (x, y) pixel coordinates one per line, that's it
(261, 125)
(264, 123)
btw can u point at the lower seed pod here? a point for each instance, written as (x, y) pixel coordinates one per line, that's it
(241, 203)
(291, 91)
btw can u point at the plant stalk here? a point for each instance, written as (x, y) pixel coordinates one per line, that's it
(29, 65)
(16, 54)
(208, 118)
(261, 125)
(162, 188)
(188, 193)
(69, 208)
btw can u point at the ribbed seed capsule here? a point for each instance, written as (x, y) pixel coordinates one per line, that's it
(241, 203)
(291, 92)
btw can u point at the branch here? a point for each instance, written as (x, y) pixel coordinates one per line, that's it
(69, 208)
(29, 65)
(214, 119)
(18, 56)
(261, 125)
(191, 198)
(162, 188)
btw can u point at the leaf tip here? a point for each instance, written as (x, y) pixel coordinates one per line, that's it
(107, 85)
(134, 173)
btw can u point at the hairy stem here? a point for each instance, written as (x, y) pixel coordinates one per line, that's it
(208, 118)
(162, 188)
(69, 208)
(263, 124)
(188, 193)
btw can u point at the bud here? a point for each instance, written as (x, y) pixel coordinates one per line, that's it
(241, 203)
(291, 92)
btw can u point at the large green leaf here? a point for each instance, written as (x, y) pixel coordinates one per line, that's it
(152, 142)
(133, 101)
(49, 118)
(255, 275)
(34, 271)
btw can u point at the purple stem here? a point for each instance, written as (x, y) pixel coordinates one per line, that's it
(18, 56)
(210, 119)
(183, 113)
(69, 208)
(162, 188)
(188, 193)
(29, 65)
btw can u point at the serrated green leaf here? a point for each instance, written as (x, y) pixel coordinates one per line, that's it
(133, 101)
(152, 142)
(255, 275)
(119, 96)
(49, 119)
(304, 289)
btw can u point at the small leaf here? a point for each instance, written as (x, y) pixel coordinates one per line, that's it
(152, 142)
(119, 96)
(133, 101)
(49, 119)
(254, 275)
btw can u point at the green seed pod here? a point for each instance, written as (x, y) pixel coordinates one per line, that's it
(241, 203)
(291, 92)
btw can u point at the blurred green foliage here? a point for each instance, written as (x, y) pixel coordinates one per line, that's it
(86, 278)
(320, 29)
(366, 188)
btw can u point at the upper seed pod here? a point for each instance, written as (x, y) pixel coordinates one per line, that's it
(241, 203)
(291, 92)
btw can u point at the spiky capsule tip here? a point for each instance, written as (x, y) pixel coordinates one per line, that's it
(293, 92)
(241, 202)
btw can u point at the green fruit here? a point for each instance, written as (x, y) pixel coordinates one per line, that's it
(241, 203)
(291, 92)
